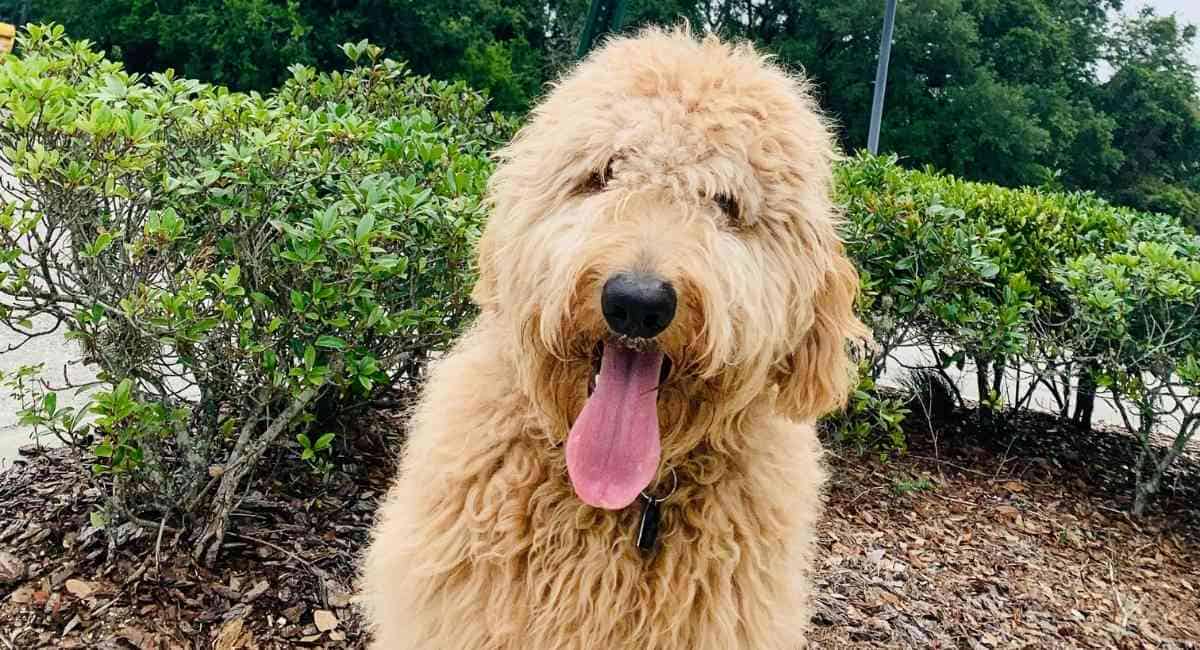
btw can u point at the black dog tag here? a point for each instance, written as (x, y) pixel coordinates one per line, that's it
(647, 532)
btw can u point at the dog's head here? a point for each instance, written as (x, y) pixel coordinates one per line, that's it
(663, 250)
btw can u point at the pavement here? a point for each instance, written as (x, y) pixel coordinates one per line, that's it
(56, 353)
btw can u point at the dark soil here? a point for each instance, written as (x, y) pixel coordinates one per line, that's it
(977, 538)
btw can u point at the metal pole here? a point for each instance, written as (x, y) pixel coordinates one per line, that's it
(885, 53)
(603, 16)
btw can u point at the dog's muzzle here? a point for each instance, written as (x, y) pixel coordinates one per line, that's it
(613, 448)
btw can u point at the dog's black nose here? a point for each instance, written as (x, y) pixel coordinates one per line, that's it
(638, 305)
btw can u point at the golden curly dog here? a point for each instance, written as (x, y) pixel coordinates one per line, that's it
(665, 310)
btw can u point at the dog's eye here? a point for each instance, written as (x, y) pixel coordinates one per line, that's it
(730, 207)
(598, 181)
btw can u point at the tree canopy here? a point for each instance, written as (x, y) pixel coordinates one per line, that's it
(1061, 93)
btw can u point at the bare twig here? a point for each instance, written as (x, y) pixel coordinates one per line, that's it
(954, 465)
(954, 500)
(158, 547)
(243, 458)
(254, 540)
(133, 577)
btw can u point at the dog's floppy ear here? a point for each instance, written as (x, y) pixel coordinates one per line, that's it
(817, 376)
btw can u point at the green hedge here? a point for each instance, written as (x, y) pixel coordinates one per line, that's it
(239, 267)
(1089, 297)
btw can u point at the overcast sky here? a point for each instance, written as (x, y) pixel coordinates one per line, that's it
(1189, 10)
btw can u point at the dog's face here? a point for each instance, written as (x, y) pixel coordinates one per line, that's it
(663, 245)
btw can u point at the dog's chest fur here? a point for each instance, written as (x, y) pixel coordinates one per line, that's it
(484, 544)
(548, 572)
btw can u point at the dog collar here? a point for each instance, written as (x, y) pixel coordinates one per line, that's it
(647, 530)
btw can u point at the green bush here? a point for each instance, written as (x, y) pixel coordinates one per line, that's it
(240, 267)
(950, 265)
(1137, 316)
(872, 419)
(1085, 297)
(231, 261)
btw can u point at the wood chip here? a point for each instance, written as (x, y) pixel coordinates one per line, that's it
(12, 569)
(79, 588)
(324, 620)
(339, 599)
(136, 636)
(232, 636)
(23, 595)
(293, 613)
(259, 589)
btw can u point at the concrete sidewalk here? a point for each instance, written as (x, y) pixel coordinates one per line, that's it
(55, 352)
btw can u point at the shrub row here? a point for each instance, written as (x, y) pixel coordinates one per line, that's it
(1061, 292)
(241, 268)
(238, 267)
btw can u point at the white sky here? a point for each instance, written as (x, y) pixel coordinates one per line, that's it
(1188, 10)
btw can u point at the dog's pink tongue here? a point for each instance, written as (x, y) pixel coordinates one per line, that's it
(613, 449)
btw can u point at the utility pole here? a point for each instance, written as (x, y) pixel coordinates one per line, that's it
(885, 53)
(604, 16)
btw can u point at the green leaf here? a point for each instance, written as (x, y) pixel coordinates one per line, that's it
(100, 245)
(363, 231)
(331, 343)
(324, 441)
(298, 300)
(376, 315)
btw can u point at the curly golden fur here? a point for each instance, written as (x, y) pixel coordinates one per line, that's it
(702, 161)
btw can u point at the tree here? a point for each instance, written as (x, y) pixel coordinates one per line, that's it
(1152, 98)
(16, 12)
(244, 44)
(1008, 91)
(497, 46)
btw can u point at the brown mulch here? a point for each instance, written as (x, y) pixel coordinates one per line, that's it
(985, 540)
(284, 578)
(1017, 538)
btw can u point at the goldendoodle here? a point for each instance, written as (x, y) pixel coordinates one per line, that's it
(620, 452)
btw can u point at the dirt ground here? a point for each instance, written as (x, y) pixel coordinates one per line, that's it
(997, 544)
(974, 539)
